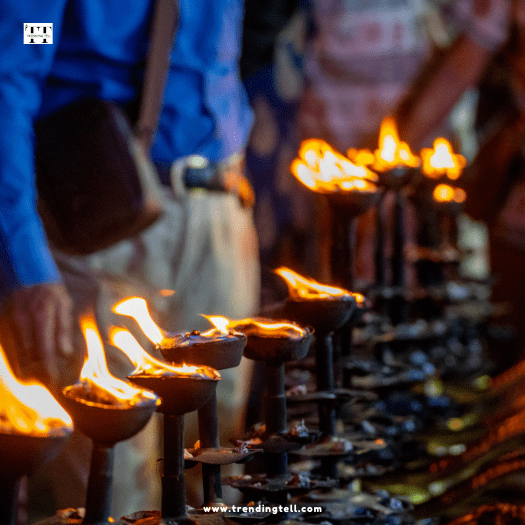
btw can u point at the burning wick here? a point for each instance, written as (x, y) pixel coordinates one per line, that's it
(321, 168)
(301, 288)
(392, 152)
(28, 407)
(441, 160)
(261, 327)
(137, 308)
(147, 364)
(97, 384)
(446, 193)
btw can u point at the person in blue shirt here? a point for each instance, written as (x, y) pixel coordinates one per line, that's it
(98, 50)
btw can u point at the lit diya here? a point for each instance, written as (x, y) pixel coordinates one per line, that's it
(438, 201)
(440, 162)
(33, 428)
(274, 343)
(327, 308)
(107, 410)
(393, 160)
(349, 187)
(397, 167)
(350, 190)
(182, 389)
(219, 348)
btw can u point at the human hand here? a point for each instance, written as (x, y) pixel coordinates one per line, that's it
(36, 330)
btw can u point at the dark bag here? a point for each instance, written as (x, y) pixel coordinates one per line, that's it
(96, 184)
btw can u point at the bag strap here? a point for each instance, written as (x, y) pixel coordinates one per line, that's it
(164, 27)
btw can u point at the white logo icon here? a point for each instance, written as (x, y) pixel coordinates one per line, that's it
(41, 33)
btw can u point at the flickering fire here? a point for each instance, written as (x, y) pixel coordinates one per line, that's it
(302, 288)
(147, 364)
(28, 407)
(261, 327)
(220, 324)
(446, 193)
(441, 160)
(137, 308)
(322, 169)
(97, 384)
(392, 151)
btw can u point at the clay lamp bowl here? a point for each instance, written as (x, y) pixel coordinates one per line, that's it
(32, 432)
(180, 394)
(106, 425)
(219, 349)
(326, 308)
(274, 343)
(107, 410)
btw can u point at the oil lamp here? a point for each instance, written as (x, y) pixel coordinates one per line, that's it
(274, 343)
(396, 166)
(107, 410)
(33, 428)
(219, 348)
(182, 389)
(326, 308)
(350, 190)
(438, 200)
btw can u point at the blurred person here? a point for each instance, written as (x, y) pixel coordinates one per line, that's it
(272, 72)
(487, 54)
(367, 61)
(204, 246)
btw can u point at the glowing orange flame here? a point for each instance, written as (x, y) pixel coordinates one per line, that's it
(220, 324)
(441, 160)
(267, 328)
(137, 308)
(147, 364)
(166, 292)
(323, 169)
(28, 407)
(302, 288)
(96, 375)
(446, 193)
(392, 152)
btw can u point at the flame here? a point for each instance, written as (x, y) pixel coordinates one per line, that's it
(28, 407)
(220, 324)
(446, 193)
(301, 288)
(147, 364)
(166, 292)
(441, 160)
(323, 169)
(137, 308)
(392, 152)
(267, 328)
(95, 371)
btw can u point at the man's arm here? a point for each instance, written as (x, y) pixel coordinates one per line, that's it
(35, 310)
(452, 71)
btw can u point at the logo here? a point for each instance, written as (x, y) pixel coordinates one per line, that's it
(41, 33)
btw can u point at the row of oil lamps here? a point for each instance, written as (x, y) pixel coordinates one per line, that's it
(358, 181)
(109, 410)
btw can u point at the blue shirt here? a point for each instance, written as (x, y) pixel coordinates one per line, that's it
(99, 51)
